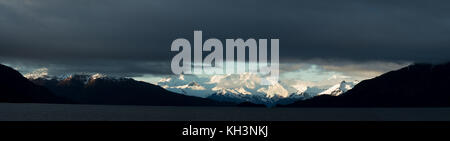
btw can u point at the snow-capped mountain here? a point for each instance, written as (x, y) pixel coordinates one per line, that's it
(221, 84)
(191, 89)
(187, 84)
(339, 89)
(84, 78)
(307, 93)
(240, 88)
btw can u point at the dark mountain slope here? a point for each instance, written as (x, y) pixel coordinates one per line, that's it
(119, 91)
(16, 88)
(419, 85)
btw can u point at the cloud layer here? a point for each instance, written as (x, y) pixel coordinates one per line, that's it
(127, 36)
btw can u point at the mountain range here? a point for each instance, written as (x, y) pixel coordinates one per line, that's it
(418, 85)
(95, 89)
(245, 87)
(90, 89)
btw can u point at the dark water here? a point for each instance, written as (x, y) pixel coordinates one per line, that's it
(63, 112)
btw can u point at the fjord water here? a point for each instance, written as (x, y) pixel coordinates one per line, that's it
(69, 112)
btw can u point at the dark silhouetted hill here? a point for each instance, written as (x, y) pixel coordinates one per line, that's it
(419, 85)
(15, 88)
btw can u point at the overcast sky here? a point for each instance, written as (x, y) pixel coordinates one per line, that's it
(134, 36)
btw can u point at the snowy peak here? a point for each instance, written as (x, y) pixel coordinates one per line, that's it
(192, 85)
(79, 79)
(274, 90)
(306, 93)
(223, 91)
(339, 89)
(38, 74)
(187, 85)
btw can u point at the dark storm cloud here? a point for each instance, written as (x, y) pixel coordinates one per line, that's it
(119, 33)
